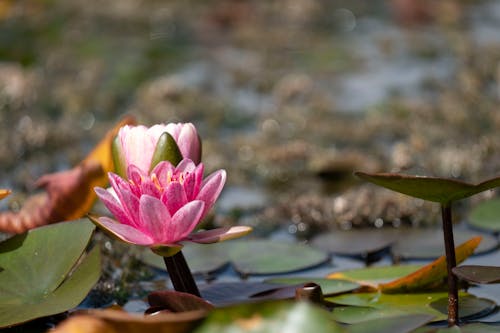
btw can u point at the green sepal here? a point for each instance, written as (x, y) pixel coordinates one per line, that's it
(166, 250)
(166, 150)
(119, 163)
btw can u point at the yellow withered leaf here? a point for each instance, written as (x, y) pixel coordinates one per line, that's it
(431, 275)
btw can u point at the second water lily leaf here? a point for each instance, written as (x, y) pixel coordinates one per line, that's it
(436, 189)
(432, 274)
(39, 276)
(393, 324)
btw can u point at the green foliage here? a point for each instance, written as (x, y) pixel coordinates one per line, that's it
(42, 271)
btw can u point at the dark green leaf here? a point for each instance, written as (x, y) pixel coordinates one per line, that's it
(442, 190)
(328, 286)
(118, 158)
(39, 277)
(396, 324)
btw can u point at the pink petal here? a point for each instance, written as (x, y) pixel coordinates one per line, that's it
(211, 188)
(161, 170)
(185, 220)
(113, 205)
(186, 165)
(137, 146)
(174, 197)
(128, 199)
(155, 218)
(122, 231)
(219, 234)
(189, 143)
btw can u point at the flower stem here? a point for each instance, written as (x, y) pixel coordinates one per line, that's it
(451, 262)
(180, 274)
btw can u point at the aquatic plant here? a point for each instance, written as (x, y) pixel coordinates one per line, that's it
(443, 191)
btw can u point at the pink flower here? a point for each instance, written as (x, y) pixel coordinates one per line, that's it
(138, 143)
(162, 208)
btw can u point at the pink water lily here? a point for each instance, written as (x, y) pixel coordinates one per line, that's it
(138, 143)
(162, 208)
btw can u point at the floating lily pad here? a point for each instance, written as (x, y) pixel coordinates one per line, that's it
(272, 257)
(428, 243)
(478, 274)
(436, 189)
(467, 328)
(486, 215)
(374, 305)
(229, 293)
(393, 324)
(270, 317)
(356, 242)
(328, 286)
(39, 276)
(248, 256)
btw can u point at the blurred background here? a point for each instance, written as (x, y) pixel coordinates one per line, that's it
(290, 97)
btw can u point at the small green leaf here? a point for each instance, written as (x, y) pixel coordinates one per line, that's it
(486, 215)
(375, 275)
(166, 150)
(442, 190)
(40, 277)
(290, 317)
(119, 163)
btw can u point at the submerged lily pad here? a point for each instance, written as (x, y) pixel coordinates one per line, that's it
(428, 243)
(376, 305)
(270, 317)
(436, 189)
(486, 215)
(478, 274)
(39, 276)
(356, 242)
(248, 256)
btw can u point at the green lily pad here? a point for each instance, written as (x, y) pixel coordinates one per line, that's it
(436, 189)
(328, 286)
(247, 256)
(478, 274)
(486, 215)
(39, 276)
(272, 257)
(356, 242)
(394, 324)
(433, 304)
(428, 243)
(270, 317)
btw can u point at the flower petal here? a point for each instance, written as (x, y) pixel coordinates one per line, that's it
(174, 197)
(111, 203)
(189, 143)
(155, 219)
(123, 232)
(186, 165)
(185, 220)
(211, 188)
(219, 234)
